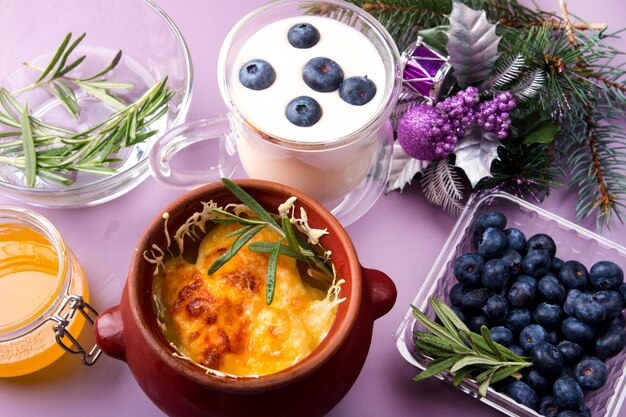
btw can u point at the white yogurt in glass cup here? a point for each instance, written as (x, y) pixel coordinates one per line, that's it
(343, 160)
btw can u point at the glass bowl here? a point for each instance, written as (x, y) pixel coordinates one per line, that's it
(573, 242)
(153, 48)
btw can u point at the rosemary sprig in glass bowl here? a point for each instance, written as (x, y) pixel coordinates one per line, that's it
(53, 152)
(453, 347)
(289, 244)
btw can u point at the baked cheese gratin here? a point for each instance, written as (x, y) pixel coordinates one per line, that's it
(222, 322)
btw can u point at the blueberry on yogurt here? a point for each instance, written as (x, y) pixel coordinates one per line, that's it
(357, 90)
(322, 74)
(303, 36)
(303, 111)
(257, 74)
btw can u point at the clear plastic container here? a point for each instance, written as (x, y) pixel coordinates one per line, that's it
(573, 242)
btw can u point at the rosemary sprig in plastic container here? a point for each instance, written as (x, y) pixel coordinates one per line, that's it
(51, 152)
(287, 245)
(453, 347)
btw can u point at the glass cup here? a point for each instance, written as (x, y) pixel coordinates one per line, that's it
(347, 174)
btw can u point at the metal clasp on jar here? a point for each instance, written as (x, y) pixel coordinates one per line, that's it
(66, 312)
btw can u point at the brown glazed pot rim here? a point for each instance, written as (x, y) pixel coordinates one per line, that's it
(329, 346)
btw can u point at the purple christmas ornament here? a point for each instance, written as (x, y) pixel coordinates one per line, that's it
(495, 115)
(425, 69)
(424, 134)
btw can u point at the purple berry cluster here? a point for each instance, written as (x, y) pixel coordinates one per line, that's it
(428, 133)
(494, 115)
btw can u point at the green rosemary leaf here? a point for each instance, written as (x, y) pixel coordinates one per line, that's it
(231, 218)
(113, 64)
(54, 177)
(112, 85)
(60, 71)
(9, 103)
(267, 247)
(449, 313)
(484, 386)
(250, 202)
(55, 58)
(142, 137)
(232, 251)
(8, 134)
(445, 319)
(270, 280)
(99, 170)
(473, 360)
(30, 155)
(68, 101)
(484, 330)
(290, 235)
(433, 370)
(239, 231)
(461, 374)
(70, 67)
(431, 326)
(102, 95)
(440, 343)
(504, 373)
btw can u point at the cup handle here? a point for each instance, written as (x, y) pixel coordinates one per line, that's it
(109, 333)
(222, 157)
(381, 289)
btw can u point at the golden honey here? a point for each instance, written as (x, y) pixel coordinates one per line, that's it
(35, 275)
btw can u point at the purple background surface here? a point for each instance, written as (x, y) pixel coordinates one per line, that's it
(401, 235)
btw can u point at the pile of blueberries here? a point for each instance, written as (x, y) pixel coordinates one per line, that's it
(566, 318)
(321, 74)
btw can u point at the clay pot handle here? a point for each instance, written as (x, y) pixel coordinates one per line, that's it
(109, 333)
(382, 291)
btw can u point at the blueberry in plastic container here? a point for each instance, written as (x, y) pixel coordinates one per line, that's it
(496, 308)
(541, 241)
(476, 322)
(557, 264)
(303, 111)
(257, 74)
(501, 335)
(588, 310)
(622, 290)
(590, 373)
(568, 393)
(610, 342)
(523, 394)
(606, 275)
(548, 315)
(547, 359)
(577, 331)
(532, 335)
(568, 305)
(571, 351)
(322, 74)
(514, 259)
(548, 406)
(491, 243)
(551, 289)
(538, 382)
(494, 219)
(468, 269)
(515, 240)
(573, 274)
(522, 291)
(303, 36)
(456, 294)
(495, 274)
(517, 319)
(537, 263)
(475, 299)
(570, 413)
(518, 350)
(357, 91)
(612, 302)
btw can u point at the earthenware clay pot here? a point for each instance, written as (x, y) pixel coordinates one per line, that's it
(312, 387)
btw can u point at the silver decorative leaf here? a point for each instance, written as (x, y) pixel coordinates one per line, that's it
(403, 169)
(442, 186)
(472, 44)
(475, 152)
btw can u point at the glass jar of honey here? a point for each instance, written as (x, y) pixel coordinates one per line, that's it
(43, 295)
